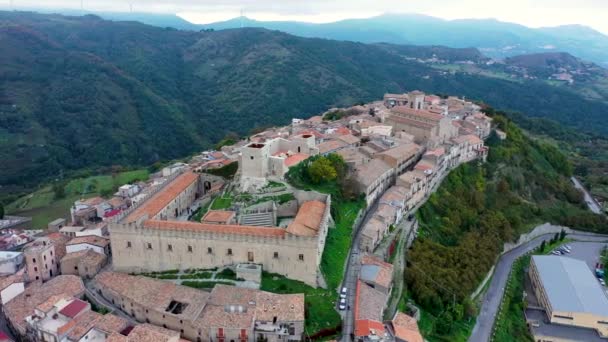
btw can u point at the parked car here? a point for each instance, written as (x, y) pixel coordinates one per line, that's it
(602, 282)
(556, 253)
(342, 305)
(343, 292)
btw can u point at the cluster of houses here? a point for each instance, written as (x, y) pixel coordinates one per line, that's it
(397, 150)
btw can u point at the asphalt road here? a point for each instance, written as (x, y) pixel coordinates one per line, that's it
(591, 203)
(491, 301)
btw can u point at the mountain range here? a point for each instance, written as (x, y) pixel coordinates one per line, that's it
(82, 92)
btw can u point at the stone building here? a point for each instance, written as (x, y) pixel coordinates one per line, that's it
(400, 158)
(227, 313)
(429, 129)
(373, 178)
(145, 240)
(272, 158)
(84, 263)
(10, 262)
(40, 260)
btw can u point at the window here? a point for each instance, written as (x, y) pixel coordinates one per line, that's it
(209, 250)
(563, 317)
(76, 268)
(276, 255)
(251, 157)
(34, 260)
(301, 257)
(51, 253)
(128, 244)
(170, 247)
(35, 269)
(229, 251)
(149, 245)
(37, 277)
(189, 249)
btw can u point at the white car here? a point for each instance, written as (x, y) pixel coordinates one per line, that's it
(342, 305)
(343, 292)
(602, 282)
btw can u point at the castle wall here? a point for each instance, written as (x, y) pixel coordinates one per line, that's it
(158, 250)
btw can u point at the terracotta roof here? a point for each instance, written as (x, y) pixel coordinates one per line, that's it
(370, 172)
(288, 307)
(343, 131)
(308, 219)
(74, 308)
(229, 316)
(93, 201)
(374, 228)
(151, 333)
(331, 145)
(404, 110)
(411, 122)
(116, 337)
(438, 152)
(295, 159)
(10, 280)
(366, 327)
(218, 216)
(370, 302)
(110, 323)
(406, 328)
(91, 240)
(383, 276)
(349, 139)
(228, 229)
(162, 198)
(153, 293)
(24, 304)
(402, 152)
(83, 323)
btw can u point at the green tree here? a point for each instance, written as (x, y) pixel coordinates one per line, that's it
(556, 237)
(321, 170)
(59, 190)
(1, 211)
(542, 246)
(562, 235)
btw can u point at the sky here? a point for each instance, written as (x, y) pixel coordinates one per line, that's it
(532, 13)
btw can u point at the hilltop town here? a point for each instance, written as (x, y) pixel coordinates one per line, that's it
(186, 254)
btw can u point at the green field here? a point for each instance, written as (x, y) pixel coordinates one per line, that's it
(43, 207)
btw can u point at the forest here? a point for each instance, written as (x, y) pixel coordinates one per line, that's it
(85, 93)
(479, 207)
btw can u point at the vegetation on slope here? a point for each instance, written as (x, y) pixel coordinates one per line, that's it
(479, 207)
(81, 92)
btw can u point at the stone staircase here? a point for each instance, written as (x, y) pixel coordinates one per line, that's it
(258, 219)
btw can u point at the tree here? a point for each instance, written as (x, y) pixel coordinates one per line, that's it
(556, 237)
(321, 170)
(542, 246)
(59, 190)
(562, 235)
(1, 211)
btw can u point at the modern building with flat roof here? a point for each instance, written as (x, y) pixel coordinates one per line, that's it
(569, 293)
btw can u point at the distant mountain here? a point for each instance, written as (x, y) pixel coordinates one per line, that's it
(494, 38)
(82, 92)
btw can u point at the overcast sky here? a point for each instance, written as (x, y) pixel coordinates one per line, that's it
(534, 13)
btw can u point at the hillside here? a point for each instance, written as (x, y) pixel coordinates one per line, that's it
(82, 92)
(494, 38)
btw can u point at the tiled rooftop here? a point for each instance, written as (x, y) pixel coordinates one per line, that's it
(289, 307)
(402, 152)
(162, 198)
(23, 305)
(91, 240)
(370, 302)
(374, 170)
(154, 294)
(384, 275)
(9, 280)
(218, 216)
(308, 219)
(406, 328)
(295, 159)
(215, 228)
(400, 110)
(331, 145)
(152, 333)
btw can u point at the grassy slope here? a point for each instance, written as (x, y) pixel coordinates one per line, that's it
(43, 207)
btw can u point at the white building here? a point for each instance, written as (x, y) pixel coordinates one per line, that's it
(11, 287)
(10, 262)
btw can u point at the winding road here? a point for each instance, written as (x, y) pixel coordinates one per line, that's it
(591, 202)
(493, 296)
